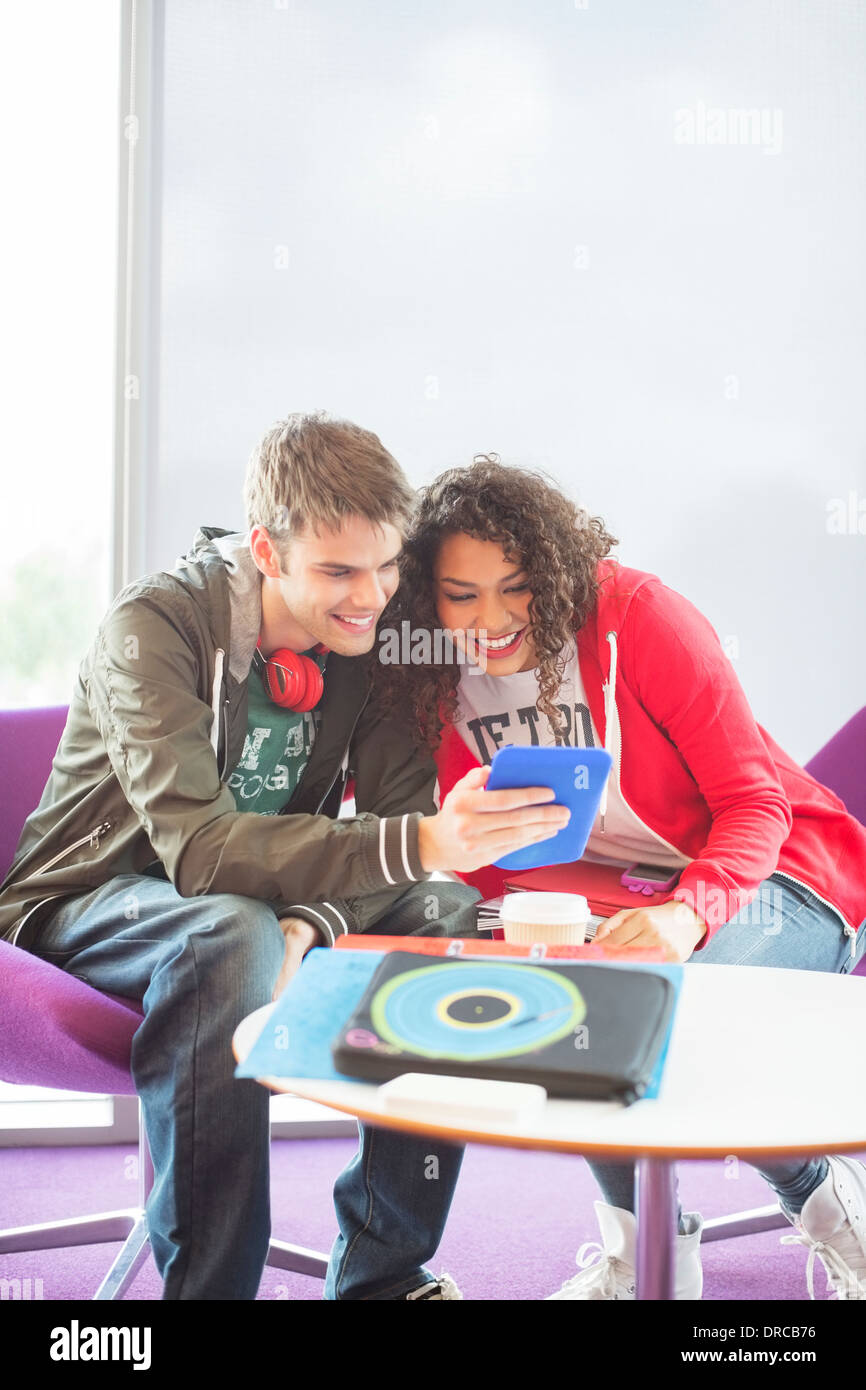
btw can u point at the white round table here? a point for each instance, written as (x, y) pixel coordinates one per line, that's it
(762, 1063)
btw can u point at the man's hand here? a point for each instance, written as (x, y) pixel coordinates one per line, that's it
(673, 926)
(474, 827)
(300, 938)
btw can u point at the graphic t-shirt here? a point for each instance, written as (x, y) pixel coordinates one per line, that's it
(498, 710)
(277, 747)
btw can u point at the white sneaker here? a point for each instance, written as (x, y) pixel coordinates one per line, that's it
(610, 1273)
(435, 1289)
(832, 1226)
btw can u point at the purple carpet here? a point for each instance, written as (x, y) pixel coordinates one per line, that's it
(517, 1221)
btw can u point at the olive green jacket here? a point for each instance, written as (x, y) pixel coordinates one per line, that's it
(156, 723)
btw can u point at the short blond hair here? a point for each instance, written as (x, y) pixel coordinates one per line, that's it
(313, 471)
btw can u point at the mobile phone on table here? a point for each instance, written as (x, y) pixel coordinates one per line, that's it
(577, 777)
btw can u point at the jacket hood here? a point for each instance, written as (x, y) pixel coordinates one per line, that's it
(244, 579)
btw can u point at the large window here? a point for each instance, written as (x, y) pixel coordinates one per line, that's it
(59, 97)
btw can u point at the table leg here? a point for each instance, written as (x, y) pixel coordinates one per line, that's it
(656, 1214)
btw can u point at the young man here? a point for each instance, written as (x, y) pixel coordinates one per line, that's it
(186, 850)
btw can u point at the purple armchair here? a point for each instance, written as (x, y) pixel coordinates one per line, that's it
(56, 1031)
(841, 765)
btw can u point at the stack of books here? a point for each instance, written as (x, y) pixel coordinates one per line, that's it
(598, 882)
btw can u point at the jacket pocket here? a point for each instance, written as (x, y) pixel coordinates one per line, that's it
(92, 839)
(24, 929)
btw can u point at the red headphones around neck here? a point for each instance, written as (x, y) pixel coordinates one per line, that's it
(294, 682)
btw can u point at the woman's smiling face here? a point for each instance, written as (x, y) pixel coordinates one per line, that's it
(475, 587)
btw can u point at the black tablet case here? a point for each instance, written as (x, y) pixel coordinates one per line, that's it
(628, 1013)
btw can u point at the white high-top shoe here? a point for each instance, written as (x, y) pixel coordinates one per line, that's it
(435, 1290)
(610, 1272)
(832, 1226)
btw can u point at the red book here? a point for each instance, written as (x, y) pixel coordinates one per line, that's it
(598, 883)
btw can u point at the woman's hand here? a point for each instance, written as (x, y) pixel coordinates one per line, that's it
(300, 938)
(674, 927)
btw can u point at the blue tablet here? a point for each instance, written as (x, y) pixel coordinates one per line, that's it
(577, 776)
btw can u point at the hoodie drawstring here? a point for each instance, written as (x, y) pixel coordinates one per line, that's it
(609, 707)
(216, 700)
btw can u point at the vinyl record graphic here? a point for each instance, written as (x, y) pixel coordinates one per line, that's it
(473, 1011)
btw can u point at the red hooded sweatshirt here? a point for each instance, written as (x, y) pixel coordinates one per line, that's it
(691, 763)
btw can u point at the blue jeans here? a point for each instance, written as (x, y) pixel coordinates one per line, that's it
(790, 928)
(200, 965)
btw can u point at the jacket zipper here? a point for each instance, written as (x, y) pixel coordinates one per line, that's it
(92, 839)
(343, 768)
(848, 929)
(344, 761)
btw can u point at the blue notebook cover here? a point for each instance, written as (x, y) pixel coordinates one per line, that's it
(297, 1038)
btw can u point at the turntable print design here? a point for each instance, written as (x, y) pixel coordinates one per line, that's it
(464, 1011)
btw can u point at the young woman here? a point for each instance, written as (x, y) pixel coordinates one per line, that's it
(583, 651)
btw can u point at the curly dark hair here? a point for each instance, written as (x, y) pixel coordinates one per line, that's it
(557, 542)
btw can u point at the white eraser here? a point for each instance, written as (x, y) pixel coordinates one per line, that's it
(463, 1097)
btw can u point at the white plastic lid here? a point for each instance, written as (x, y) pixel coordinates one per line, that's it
(553, 909)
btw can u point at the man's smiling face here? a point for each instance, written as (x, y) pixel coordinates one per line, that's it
(330, 588)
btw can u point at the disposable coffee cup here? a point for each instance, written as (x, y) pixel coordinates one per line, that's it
(557, 919)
